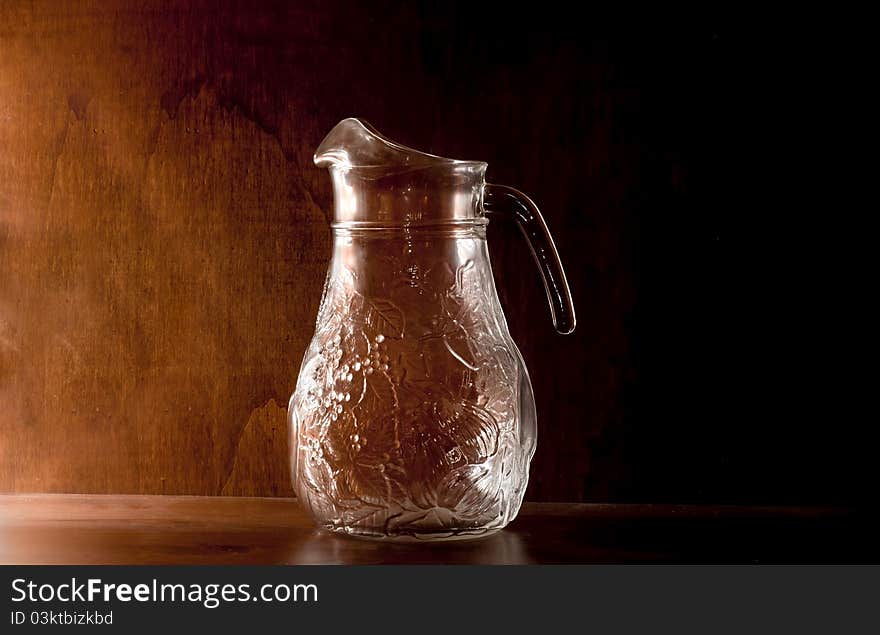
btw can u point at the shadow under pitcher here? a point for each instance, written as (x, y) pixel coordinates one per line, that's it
(413, 415)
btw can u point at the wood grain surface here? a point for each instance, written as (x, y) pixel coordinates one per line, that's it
(164, 239)
(55, 529)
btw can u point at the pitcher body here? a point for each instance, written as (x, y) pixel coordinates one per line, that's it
(413, 415)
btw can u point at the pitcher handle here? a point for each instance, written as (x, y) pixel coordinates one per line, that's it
(507, 202)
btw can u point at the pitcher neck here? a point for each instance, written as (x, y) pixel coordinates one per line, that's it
(421, 232)
(384, 262)
(418, 196)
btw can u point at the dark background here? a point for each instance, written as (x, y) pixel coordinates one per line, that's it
(163, 240)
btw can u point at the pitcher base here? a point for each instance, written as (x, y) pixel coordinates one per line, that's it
(445, 535)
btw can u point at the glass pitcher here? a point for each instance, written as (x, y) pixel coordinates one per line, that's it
(413, 415)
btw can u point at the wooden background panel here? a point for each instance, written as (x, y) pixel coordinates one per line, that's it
(162, 261)
(163, 237)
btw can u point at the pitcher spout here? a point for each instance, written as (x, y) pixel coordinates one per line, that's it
(354, 143)
(379, 181)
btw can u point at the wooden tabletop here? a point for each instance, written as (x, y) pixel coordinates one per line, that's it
(86, 529)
